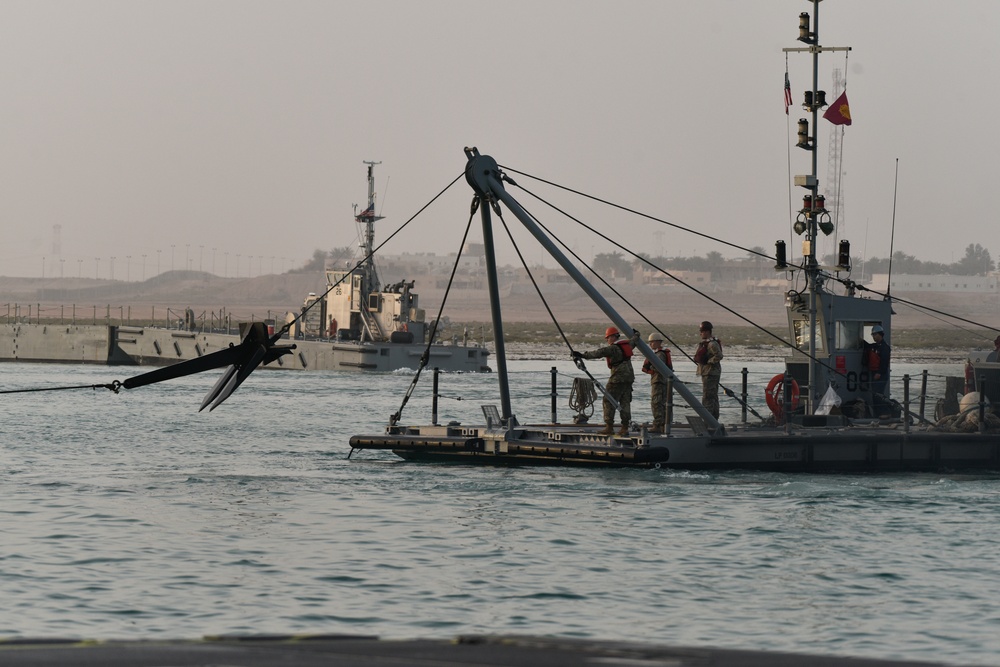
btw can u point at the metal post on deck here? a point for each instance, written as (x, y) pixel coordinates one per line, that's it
(982, 404)
(906, 403)
(744, 395)
(434, 399)
(923, 393)
(670, 405)
(786, 392)
(554, 395)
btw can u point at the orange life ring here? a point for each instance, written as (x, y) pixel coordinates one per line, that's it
(775, 397)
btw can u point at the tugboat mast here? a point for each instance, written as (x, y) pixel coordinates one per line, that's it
(813, 217)
(368, 217)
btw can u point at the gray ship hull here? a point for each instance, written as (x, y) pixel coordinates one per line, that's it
(150, 346)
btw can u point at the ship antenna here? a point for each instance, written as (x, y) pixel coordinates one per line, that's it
(368, 217)
(892, 233)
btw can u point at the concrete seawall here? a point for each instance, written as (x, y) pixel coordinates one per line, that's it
(59, 343)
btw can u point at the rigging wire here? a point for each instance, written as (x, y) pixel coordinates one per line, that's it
(840, 161)
(846, 282)
(940, 319)
(928, 309)
(425, 357)
(288, 325)
(115, 386)
(635, 212)
(892, 233)
(654, 266)
(729, 392)
(579, 363)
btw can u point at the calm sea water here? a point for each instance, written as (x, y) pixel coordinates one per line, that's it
(135, 516)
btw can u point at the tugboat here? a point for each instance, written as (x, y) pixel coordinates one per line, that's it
(358, 323)
(830, 414)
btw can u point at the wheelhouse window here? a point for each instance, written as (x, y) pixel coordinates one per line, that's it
(802, 334)
(850, 335)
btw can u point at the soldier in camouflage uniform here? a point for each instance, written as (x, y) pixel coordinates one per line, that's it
(708, 356)
(619, 356)
(658, 383)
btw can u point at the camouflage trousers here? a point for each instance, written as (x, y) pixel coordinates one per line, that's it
(710, 393)
(623, 394)
(658, 403)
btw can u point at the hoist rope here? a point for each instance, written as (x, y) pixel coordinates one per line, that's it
(425, 357)
(579, 362)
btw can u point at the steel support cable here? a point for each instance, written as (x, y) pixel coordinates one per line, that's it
(846, 282)
(640, 214)
(425, 357)
(942, 319)
(288, 325)
(112, 386)
(667, 273)
(729, 392)
(605, 282)
(579, 362)
(116, 385)
(920, 306)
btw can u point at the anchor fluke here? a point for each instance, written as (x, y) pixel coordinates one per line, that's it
(255, 349)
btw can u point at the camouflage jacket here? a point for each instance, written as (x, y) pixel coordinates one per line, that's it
(654, 375)
(713, 358)
(621, 368)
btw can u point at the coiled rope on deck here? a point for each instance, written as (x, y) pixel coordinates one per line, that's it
(582, 396)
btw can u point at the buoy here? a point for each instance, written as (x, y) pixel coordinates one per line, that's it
(970, 401)
(774, 394)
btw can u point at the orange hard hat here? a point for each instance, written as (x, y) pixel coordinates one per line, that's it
(612, 332)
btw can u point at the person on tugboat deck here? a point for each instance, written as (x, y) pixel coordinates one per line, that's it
(994, 356)
(708, 357)
(878, 367)
(658, 383)
(619, 357)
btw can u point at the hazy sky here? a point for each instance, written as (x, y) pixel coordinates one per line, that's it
(159, 128)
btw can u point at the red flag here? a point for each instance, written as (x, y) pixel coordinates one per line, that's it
(788, 94)
(839, 112)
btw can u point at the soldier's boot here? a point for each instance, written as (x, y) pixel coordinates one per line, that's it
(623, 430)
(657, 427)
(607, 430)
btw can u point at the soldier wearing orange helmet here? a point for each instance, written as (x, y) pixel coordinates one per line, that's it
(618, 353)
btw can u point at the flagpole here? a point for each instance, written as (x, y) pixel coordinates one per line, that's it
(892, 232)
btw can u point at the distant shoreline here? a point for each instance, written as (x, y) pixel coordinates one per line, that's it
(739, 353)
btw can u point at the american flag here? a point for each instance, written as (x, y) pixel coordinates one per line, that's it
(369, 212)
(788, 94)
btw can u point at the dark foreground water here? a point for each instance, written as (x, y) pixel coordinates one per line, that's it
(135, 516)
